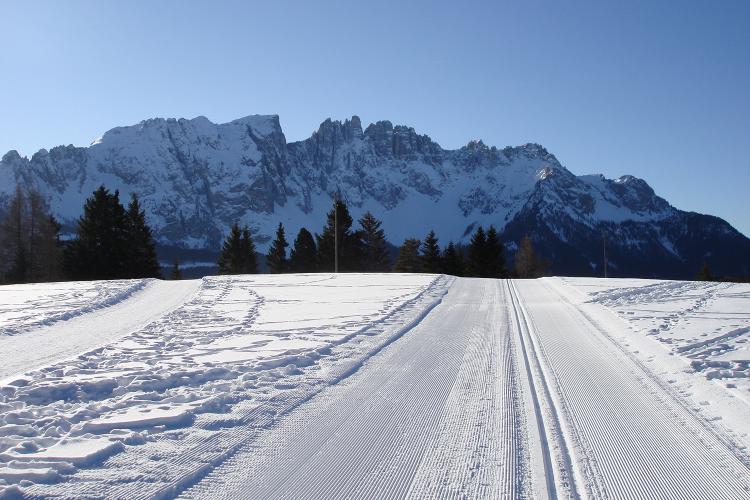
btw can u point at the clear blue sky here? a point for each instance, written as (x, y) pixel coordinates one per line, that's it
(656, 89)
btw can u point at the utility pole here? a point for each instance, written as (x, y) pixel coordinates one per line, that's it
(604, 235)
(336, 232)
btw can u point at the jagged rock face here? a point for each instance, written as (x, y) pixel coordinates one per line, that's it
(195, 178)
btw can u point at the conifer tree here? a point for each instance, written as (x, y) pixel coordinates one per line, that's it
(304, 255)
(452, 261)
(526, 263)
(238, 253)
(100, 248)
(494, 266)
(141, 261)
(477, 260)
(249, 257)
(431, 262)
(349, 251)
(408, 260)
(374, 245)
(276, 256)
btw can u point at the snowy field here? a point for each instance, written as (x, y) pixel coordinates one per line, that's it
(375, 386)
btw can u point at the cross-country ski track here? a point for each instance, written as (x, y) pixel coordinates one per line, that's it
(428, 387)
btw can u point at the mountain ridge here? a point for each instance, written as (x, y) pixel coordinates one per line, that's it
(196, 177)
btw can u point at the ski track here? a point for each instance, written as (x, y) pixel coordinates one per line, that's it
(434, 414)
(322, 387)
(634, 440)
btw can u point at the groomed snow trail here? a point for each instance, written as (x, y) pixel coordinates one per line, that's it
(67, 338)
(436, 413)
(346, 386)
(628, 438)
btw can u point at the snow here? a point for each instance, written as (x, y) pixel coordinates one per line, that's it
(25, 307)
(379, 385)
(694, 335)
(48, 322)
(192, 370)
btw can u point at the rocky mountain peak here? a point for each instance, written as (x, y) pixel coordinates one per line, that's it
(195, 178)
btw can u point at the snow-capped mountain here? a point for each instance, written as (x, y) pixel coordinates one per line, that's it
(195, 178)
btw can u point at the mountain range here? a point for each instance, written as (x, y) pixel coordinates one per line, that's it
(195, 178)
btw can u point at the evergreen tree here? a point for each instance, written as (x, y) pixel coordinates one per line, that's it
(373, 244)
(304, 255)
(477, 253)
(349, 251)
(705, 273)
(452, 261)
(238, 253)
(176, 273)
(249, 258)
(100, 250)
(494, 266)
(276, 257)
(141, 249)
(408, 260)
(526, 263)
(431, 262)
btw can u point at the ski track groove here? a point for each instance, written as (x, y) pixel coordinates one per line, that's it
(559, 478)
(619, 406)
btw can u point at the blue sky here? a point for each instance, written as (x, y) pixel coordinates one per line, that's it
(656, 89)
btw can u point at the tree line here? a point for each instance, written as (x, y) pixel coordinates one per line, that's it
(111, 242)
(366, 249)
(114, 241)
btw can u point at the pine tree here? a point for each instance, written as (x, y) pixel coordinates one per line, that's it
(526, 263)
(100, 249)
(276, 257)
(249, 259)
(304, 255)
(477, 253)
(374, 245)
(452, 261)
(176, 273)
(494, 256)
(349, 251)
(431, 262)
(238, 252)
(142, 261)
(705, 273)
(408, 260)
